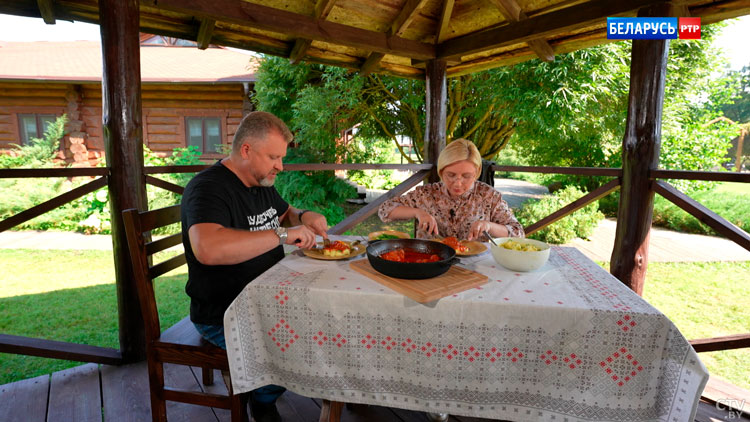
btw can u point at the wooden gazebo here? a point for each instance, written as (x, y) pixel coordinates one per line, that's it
(424, 39)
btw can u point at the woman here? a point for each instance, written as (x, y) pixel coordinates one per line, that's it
(459, 205)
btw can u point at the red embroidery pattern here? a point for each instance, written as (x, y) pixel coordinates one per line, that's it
(281, 297)
(336, 339)
(284, 332)
(607, 365)
(626, 323)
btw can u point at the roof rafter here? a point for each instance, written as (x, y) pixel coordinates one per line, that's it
(47, 10)
(205, 33)
(403, 20)
(445, 16)
(513, 13)
(300, 26)
(322, 10)
(542, 26)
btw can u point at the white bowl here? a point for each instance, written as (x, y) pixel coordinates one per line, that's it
(520, 260)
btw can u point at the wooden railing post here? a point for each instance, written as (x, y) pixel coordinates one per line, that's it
(123, 140)
(640, 155)
(436, 101)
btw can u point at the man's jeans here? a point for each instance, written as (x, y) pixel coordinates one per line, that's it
(215, 335)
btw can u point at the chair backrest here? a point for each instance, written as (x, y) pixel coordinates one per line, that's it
(138, 227)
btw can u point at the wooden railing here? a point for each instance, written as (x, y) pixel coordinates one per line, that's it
(78, 352)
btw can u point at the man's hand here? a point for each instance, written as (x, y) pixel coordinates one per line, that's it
(316, 222)
(301, 236)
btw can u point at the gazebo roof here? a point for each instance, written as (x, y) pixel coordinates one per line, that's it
(386, 36)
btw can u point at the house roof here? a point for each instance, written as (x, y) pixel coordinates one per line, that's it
(81, 61)
(388, 36)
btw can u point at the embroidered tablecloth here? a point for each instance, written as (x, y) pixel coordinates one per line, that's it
(567, 342)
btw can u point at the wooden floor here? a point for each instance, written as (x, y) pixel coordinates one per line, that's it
(112, 394)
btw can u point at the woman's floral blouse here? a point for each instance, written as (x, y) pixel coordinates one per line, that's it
(454, 215)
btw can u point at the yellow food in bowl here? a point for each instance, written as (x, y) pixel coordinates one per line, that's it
(516, 246)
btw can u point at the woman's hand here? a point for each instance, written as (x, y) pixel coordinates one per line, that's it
(480, 226)
(426, 222)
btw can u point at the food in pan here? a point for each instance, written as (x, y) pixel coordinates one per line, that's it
(408, 255)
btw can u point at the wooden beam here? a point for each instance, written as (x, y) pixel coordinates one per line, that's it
(705, 215)
(58, 350)
(371, 64)
(640, 155)
(513, 13)
(436, 102)
(299, 50)
(47, 10)
(737, 341)
(322, 10)
(574, 206)
(276, 20)
(205, 33)
(373, 206)
(53, 172)
(408, 12)
(445, 16)
(151, 180)
(122, 131)
(403, 20)
(542, 26)
(580, 171)
(715, 176)
(51, 204)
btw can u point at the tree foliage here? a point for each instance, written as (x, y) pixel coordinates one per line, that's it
(570, 112)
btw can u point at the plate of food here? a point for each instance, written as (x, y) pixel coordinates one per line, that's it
(338, 249)
(387, 235)
(465, 247)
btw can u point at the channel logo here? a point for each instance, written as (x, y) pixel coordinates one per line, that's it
(653, 28)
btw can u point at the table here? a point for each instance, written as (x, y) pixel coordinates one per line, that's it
(567, 342)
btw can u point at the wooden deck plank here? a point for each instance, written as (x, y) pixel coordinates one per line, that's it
(125, 394)
(22, 400)
(125, 397)
(296, 408)
(718, 390)
(74, 395)
(218, 387)
(180, 376)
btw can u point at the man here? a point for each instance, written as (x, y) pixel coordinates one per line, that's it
(232, 230)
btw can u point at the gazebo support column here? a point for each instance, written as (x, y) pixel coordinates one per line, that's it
(436, 101)
(123, 140)
(640, 155)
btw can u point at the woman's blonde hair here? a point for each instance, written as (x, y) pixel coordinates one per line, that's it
(459, 150)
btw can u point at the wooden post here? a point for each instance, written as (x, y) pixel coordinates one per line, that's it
(436, 92)
(123, 140)
(640, 155)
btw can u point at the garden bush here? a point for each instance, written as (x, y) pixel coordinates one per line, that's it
(579, 224)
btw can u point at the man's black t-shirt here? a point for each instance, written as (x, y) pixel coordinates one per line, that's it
(217, 195)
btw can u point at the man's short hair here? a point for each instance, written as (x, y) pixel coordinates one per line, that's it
(256, 126)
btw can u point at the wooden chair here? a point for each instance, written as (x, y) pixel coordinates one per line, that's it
(180, 344)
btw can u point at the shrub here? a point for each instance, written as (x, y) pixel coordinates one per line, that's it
(579, 224)
(41, 151)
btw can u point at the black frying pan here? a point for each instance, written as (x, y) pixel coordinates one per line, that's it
(407, 269)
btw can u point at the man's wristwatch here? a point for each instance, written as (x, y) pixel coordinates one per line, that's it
(282, 233)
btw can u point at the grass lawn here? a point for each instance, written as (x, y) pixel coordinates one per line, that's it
(71, 297)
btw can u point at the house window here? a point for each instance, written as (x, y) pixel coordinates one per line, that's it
(33, 126)
(204, 132)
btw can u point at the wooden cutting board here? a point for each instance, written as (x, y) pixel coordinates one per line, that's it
(455, 280)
